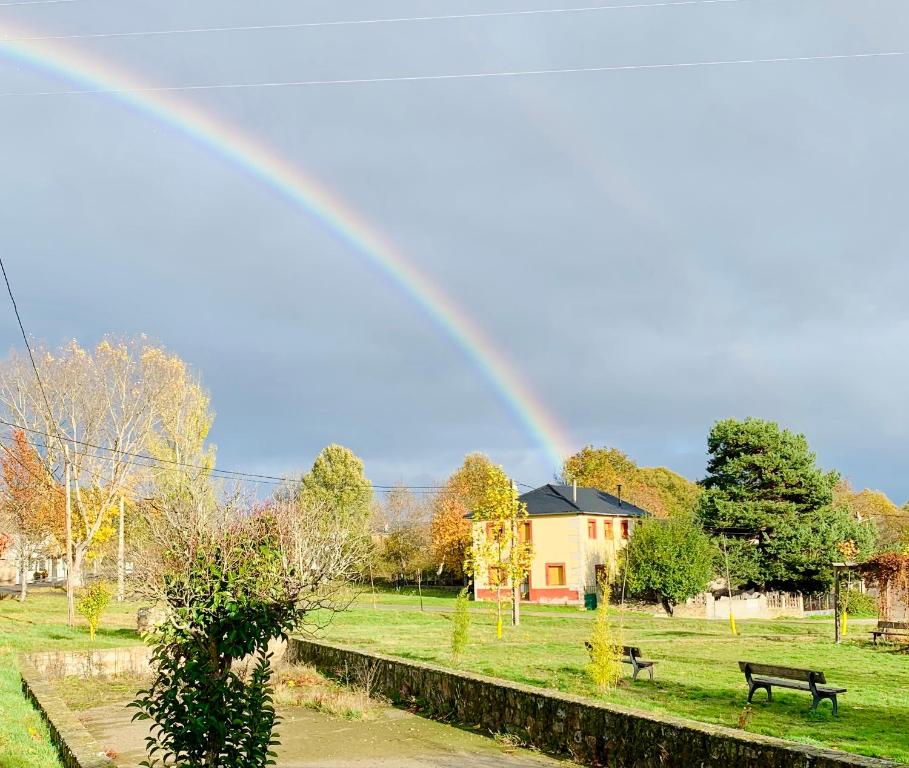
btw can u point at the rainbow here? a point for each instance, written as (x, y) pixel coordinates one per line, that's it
(306, 193)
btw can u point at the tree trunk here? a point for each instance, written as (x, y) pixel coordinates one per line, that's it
(515, 584)
(70, 591)
(668, 606)
(420, 587)
(23, 576)
(121, 558)
(78, 557)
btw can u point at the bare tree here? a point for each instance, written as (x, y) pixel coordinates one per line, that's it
(102, 409)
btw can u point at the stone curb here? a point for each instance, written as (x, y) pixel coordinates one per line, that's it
(75, 745)
(591, 732)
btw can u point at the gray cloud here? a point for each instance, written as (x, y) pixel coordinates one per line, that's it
(654, 250)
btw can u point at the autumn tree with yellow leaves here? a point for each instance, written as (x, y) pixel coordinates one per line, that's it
(658, 490)
(450, 529)
(498, 544)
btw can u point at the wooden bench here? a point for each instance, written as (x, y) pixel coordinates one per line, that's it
(631, 655)
(898, 630)
(767, 676)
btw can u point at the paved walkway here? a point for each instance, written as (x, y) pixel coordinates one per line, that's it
(394, 739)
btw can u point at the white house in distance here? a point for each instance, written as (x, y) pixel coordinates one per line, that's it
(575, 533)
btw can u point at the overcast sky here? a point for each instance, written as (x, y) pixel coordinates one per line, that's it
(653, 249)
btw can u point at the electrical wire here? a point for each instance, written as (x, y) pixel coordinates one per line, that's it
(459, 75)
(36, 2)
(152, 462)
(28, 346)
(363, 22)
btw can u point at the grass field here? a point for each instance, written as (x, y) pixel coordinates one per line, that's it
(39, 624)
(697, 675)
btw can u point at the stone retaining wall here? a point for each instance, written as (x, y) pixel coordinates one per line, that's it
(75, 745)
(590, 732)
(105, 662)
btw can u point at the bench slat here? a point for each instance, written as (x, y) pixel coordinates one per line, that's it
(789, 673)
(796, 685)
(904, 625)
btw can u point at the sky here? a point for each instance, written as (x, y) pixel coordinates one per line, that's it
(650, 250)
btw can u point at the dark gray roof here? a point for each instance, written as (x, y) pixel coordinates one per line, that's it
(558, 500)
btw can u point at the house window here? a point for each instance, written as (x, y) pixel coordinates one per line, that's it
(607, 529)
(555, 574)
(525, 532)
(493, 531)
(625, 525)
(591, 529)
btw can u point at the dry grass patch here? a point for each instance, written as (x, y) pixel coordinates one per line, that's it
(352, 698)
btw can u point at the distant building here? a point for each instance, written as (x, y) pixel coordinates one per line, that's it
(576, 533)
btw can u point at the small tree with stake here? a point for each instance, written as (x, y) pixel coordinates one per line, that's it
(92, 603)
(498, 545)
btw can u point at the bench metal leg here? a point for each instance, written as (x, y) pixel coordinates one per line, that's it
(752, 687)
(650, 670)
(816, 700)
(634, 675)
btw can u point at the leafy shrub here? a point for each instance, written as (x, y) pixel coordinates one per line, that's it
(226, 598)
(670, 560)
(857, 603)
(460, 625)
(91, 605)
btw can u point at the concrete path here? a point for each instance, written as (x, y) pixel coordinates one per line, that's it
(394, 739)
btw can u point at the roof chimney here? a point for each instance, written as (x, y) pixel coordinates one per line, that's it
(574, 491)
(619, 489)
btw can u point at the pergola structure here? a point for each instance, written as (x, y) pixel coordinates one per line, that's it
(838, 570)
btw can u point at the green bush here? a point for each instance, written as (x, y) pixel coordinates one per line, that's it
(227, 598)
(92, 603)
(857, 603)
(669, 560)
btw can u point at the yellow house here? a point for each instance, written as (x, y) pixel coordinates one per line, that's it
(576, 532)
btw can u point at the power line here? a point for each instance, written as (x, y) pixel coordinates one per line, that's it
(28, 346)
(461, 75)
(148, 461)
(365, 22)
(37, 2)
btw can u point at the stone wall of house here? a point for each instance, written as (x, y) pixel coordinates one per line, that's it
(561, 724)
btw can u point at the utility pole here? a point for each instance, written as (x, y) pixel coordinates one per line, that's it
(515, 565)
(70, 597)
(121, 560)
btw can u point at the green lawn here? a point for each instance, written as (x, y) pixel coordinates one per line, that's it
(697, 675)
(39, 624)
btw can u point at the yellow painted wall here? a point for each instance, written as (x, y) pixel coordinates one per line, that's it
(564, 539)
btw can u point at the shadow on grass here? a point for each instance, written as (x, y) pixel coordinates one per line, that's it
(118, 634)
(877, 731)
